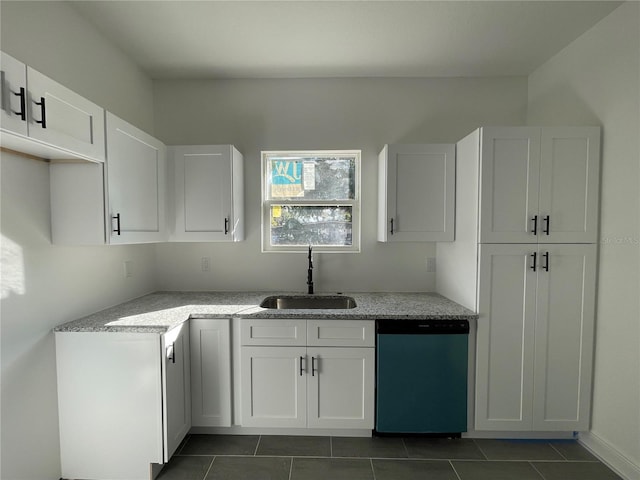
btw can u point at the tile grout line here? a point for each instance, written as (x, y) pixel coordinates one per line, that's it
(210, 467)
(255, 452)
(454, 469)
(291, 468)
(536, 470)
(480, 449)
(373, 470)
(558, 451)
(406, 450)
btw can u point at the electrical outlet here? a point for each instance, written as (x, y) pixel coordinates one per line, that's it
(205, 264)
(431, 264)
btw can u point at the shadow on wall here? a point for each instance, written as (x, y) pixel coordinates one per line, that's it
(561, 106)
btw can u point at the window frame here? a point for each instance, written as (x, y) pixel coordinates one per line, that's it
(267, 203)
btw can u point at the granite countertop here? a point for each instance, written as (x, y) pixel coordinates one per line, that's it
(158, 312)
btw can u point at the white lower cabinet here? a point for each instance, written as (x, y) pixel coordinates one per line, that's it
(293, 376)
(210, 372)
(123, 401)
(535, 337)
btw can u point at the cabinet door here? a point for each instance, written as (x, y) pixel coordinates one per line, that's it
(417, 193)
(110, 404)
(564, 337)
(204, 183)
(509, 183)
(274, 386)
(136, 166)
(210, 372)
(176, 388)
(341, 387)
(505, 337)
(13, 78)
(60, 117)
(569, 173)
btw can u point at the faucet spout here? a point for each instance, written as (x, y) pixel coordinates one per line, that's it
(310, 272)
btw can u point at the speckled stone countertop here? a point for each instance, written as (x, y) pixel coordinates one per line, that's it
(158, 312)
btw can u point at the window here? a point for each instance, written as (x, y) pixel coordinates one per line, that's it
(311, 198)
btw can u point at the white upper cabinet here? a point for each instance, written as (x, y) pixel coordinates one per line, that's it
(120, 201)
(136, 166)
(43, 118)
(13, 78)
(207, 193)
(539, 185)
(416, 193)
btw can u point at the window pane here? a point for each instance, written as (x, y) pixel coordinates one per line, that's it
(311, 225)
(321, 177)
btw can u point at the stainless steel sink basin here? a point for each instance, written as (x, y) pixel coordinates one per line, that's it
(282, 302)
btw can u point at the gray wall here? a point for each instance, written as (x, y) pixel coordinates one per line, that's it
(45, 285)
(357, 113)
(596, 81)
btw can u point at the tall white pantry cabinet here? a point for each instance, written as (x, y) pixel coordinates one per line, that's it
(524, 258)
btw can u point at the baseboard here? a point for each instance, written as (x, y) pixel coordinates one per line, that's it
(609, 455)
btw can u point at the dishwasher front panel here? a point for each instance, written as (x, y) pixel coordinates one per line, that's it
(421, 383)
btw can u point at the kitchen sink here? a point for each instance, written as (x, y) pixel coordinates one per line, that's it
(282, 302)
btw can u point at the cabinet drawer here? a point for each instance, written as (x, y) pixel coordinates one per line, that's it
(273, 332)
(341, 333)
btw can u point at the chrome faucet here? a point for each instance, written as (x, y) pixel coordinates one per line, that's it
(310, 273)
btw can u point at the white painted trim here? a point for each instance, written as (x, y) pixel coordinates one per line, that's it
(609, 455)
(238, 430)
(515, 435)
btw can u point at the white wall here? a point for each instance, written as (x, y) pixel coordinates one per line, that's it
(55, 40)
(45, 285)
(596, 80)
(355, 113)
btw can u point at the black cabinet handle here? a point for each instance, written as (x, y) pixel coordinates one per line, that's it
(117, 218)
(23, 104)
(545, 265)
(301, 369)
(43, 113)
(226, 225)
(313, 366)
(171, 353)
(535, 224)
(534, 256)
(547, 225)
(392, 226)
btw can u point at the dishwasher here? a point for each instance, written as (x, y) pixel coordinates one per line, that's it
(421, 377)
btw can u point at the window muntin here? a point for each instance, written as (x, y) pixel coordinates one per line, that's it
(311, 198)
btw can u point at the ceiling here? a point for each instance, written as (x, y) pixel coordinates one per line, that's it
(322, 38)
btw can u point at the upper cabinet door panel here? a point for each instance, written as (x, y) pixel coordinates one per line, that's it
(206, 179)
(136, 184)
(418, 194)
(509, 184)
(60, 117)
(13, 78)
(203, 186)
(569, 173)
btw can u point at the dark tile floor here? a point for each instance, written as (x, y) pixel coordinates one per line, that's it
(235, 457)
